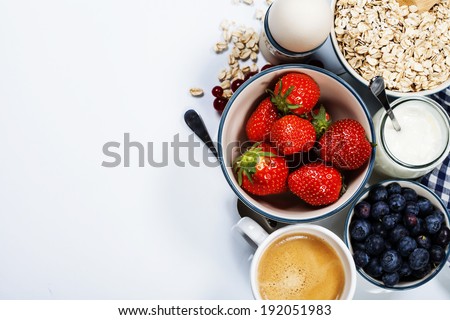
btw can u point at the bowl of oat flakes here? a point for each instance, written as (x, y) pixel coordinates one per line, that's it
(411, 50)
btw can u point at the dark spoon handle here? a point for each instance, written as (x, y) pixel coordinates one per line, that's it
(195, 122)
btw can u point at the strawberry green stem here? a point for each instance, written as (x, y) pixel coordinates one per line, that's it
(246, 163)
(280, 99)
(320, 121)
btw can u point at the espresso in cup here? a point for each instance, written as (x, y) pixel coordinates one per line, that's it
(301, 262)
(300, 266)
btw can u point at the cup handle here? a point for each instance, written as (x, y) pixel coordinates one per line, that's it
(248, 227)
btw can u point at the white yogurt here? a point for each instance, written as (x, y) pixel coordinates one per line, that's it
(420, 145)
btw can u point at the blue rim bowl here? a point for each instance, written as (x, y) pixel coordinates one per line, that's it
(359, 77)
(341, 101)
(421, 191)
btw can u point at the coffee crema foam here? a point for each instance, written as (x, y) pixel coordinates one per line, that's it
(300, 266)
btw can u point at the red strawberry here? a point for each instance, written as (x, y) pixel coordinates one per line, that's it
(292, 134)
(320, 119)
(261, 172)
(344, 145)
(316, 184)
(296, 92)
(260, 122)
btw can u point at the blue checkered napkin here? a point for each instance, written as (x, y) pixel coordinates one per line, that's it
(439, 179)
(443, 97)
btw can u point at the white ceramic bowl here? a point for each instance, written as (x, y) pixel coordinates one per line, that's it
(421, 190)
(349, 68)
(341, 102)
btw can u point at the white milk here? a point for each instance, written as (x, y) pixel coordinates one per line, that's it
(300, 25)
(420, 145)
(294, 29)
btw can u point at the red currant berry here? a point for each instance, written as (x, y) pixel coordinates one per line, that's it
(217, 91)
(236, 84)
(219, 103)
(267, 66)
(249, 75)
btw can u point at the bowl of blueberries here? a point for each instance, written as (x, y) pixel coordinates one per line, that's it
(398, 233)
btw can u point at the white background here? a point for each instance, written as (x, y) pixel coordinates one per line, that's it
(75, 75)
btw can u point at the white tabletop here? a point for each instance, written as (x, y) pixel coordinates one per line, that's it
(75, 75)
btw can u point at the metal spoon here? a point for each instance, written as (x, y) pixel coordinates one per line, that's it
(377, 87)
(195, 122)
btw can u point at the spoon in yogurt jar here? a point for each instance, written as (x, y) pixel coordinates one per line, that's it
(377, 87)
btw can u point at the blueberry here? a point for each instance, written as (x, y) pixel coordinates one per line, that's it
(379, 209)
(362, 210)
(397, 233)
(425, 206)
(390, 279)
(406, 245)
(391, 261)
(393, 188)
(422, 272)
(423, 241)
(404, 270)
(360, 229)
(442, 238)
(398, 217)
(380, 229)
(388, 245)
(437, 254)
(378, 193)
(396, 202)
(419, 228)
(440, 215)
(374, 268)
(389, 221)
(358, 246)
(361, 258)
(375, 244)
(432, 224)
(409, 220)
(412, 208)
(409, 194)
(418, 259)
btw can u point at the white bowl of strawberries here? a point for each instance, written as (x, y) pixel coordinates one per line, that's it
(296, 143)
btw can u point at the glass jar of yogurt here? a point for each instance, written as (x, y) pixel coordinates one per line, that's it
(422, 143)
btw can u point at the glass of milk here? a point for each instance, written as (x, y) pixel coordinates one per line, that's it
(422, 143)
(295, 29)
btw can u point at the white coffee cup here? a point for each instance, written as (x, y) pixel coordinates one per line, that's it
(249, 228)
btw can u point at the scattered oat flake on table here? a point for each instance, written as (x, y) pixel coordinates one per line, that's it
(243, 42)
(196, 92)
(259, 14)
